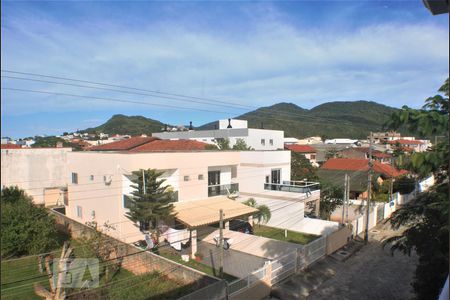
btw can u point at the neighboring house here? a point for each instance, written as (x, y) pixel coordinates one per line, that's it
(41, 172)
(310, 140)
(408, 145)
(384, 137)
(363, 153)
(334, 170)
(309, 152)
(342, 142)
(231, 129)
(290, 141)
(10, 146)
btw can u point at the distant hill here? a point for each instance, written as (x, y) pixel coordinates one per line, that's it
(353, 119)
(132, 125)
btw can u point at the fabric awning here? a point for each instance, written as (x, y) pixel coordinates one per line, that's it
(204, 212)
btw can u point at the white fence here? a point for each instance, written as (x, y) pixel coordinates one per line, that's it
(281, 268)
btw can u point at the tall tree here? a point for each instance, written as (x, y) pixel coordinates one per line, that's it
(151, 200)
(26, 228)
(301, 168)
(331, 196)
(241, 145)
(426, 216)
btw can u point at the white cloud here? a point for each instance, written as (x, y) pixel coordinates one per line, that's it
(391, 63)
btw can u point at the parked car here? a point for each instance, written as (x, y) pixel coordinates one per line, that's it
(241, 226)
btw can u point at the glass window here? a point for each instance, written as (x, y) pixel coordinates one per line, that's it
(271, 142)
(263, 142)
(186, 178)
(213, 177)
(91, 177)
(75, 178)
(79, 211)
(200, 177)
(127, 202)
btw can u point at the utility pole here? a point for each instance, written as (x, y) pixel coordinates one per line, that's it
(347, 196)
(221, 243)
(369, 191)
(143, 182)
(344, 198)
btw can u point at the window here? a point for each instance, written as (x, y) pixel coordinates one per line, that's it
(276, 176)
(144, 225)
(91, 178)
(213, 177)
(200, 177)
(127, 202)
(186, 178)
(263, 142)
(271, 142)
(79, 212)
(313, 156)
(75, 178)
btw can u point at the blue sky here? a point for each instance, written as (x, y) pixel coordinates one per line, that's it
(251, 53)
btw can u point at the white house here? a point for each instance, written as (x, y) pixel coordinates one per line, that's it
(232, 129)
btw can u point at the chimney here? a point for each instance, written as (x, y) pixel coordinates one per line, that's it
(229, 123)
(190, 126)
(262, 125)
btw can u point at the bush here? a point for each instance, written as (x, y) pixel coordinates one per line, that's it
(26, 228)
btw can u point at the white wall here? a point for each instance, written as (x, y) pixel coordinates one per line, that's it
(35, 169)
(235, 123)
(255, 165)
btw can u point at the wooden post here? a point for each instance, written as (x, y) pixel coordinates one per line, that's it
(221, 243)
(369, 191)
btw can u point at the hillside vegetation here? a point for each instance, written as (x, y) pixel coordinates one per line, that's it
(332, 120)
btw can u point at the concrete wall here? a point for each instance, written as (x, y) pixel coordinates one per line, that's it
(256, 165)
(137, 261)
(338, 239)
(34, 170)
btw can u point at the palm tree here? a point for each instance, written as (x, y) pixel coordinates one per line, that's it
(263, 213)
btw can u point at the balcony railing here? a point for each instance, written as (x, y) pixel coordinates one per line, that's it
(221, 189)
(293, 186)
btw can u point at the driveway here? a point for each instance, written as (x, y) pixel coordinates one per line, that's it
(371, 273)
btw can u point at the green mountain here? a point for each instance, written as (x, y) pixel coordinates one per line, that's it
(352, 119)
(333, 120)
(132, 125)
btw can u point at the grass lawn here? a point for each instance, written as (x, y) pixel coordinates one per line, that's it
(278, 234)
(172, 255)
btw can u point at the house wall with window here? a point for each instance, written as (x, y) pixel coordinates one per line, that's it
(36, 170)
(257, 166)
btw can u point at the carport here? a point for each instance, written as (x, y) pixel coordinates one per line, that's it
(200, 213)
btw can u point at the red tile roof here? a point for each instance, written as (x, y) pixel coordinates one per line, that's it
(300, 148)
(353, 164)
(170, 145)
(123, 145)
(10, 146)
(406, 142)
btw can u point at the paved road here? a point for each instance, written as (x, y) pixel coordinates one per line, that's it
(371, 273)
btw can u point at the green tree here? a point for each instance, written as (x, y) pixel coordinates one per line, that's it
(332, 153)
(223, 144)
(426, 216)
(152, 205)
(331, 196)
(263, 215)
(301, 168)
(241, 145)
(26, 228)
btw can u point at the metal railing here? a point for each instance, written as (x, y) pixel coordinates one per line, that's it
(221, 189)
(297, 187)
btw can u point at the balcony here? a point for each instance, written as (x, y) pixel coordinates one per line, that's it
(221, 189)
(293, 186)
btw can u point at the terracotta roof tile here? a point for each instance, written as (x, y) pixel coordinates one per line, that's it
(170, 145)
(300, 148)
(353, 164)
(10, 146)
(123, 145)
